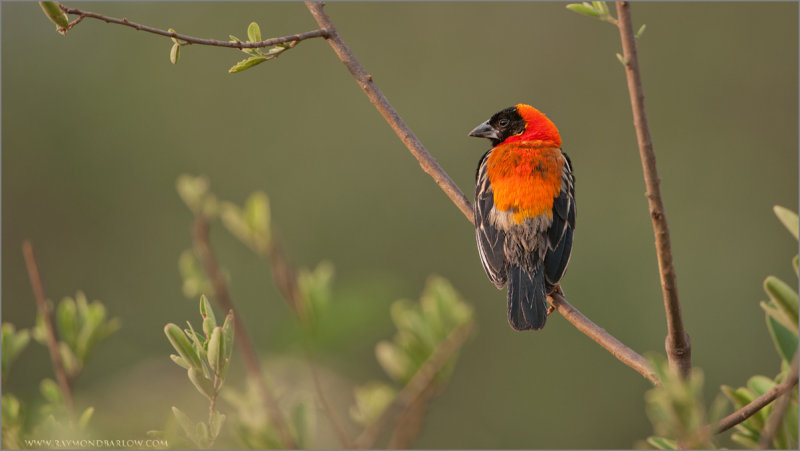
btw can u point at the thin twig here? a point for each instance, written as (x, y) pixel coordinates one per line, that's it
(202, 246)
(409, 423)
(778, 410)
(623, 353)
(417, 385)
(757, 404)
(64, 382)
(319, 33)
(679, 349)
(426, 160)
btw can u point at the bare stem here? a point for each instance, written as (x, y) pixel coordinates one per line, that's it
(320, 33)
(423, 379)
(779, 410)
(376, 97)
(679, 349)
(202, 246)
(757, 404)
(64, 382)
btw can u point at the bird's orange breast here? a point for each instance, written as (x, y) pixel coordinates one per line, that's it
(525, 178)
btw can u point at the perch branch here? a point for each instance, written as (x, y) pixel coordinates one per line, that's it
(679, 349)
(202, 246)
(424, 377)
(52, 341)
(779, 410)
(757, 404)
(320, 33)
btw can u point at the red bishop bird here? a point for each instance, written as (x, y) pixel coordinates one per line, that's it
(524, 210)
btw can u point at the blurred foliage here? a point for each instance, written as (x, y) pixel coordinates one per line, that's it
(782, 323)
(206, 359)
(80, 327)
(676, 408)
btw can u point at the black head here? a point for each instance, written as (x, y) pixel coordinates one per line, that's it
(500, 126)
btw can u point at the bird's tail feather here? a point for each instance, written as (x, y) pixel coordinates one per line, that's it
(527, 299)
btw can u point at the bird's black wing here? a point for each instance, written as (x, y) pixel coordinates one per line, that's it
(559, 236)
(490, 239)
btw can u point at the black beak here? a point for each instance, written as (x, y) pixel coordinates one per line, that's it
(485, 131)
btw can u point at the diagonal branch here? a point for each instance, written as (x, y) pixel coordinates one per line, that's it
(52, 341)
(759, 403)
(202, 246)
(320, 33)
(679, 349)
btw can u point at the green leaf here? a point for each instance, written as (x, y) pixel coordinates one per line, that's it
(621, 59)
(641, 31)
(584, 9)
(85, 417)
(784, 296)
(254, 32)
(759, 384)
(796, 265)
(181, 344)
(186, 424)
(53, 11)
(180, 361)
(215, 427)
(394, 361)
(174, 53)
(785, 341)
(13, 343)
(789, 220)
(215, 358)
(371, 400)
(50, 391)
(778, 314)
(203, 385)
(71, 364)
(209, 320)
(661, 443)
(247, 64)
(257, 216)
(227, 342)
(67, 321)
(10, 410)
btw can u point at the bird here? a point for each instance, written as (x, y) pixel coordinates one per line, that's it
(524, 211)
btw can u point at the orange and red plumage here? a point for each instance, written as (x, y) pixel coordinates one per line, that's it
(524, 210)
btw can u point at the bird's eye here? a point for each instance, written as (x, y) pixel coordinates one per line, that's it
(503, 123)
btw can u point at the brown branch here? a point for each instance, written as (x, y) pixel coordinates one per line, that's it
(679, 349)
(424, 377)
(623, 353)
(376, 97)
(64, 382)
(779, 410)
(409, 423)
(757, 404)
(202, 246)
(320, 33)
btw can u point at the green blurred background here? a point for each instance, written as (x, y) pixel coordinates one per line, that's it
(97, 125)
